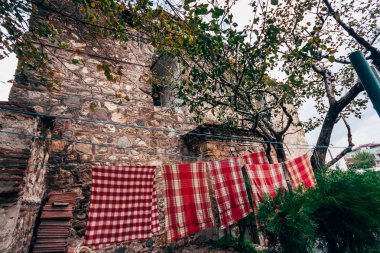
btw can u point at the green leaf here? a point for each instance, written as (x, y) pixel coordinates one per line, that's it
(217, 12)
(331, 58)
(187, 2)
(201, 10)
(274, 2)
(74, 61)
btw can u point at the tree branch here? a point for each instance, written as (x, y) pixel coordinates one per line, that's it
(349, 96)
(346, 150)
(327, 81)
(339, 156)
(350, 30)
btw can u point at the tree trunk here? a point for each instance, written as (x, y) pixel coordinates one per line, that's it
(319, 155)
(280, 151)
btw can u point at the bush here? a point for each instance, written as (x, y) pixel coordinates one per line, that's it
(347, 210)
(341, 214)
(287, 223)
(363, 160)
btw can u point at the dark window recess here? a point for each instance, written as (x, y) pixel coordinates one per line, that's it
(156, 95)
(127, 16)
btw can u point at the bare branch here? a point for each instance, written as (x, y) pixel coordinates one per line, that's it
(327, 81)
(346, 150)
(349, 96)
(339, 156)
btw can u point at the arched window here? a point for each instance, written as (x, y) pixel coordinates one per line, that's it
(167, 74)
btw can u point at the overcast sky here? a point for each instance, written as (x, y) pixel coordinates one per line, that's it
(364, 130)
(7, 71)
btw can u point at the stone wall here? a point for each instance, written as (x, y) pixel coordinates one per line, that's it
(98, 121)
(23, 167)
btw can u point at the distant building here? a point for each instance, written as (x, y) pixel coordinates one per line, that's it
(373, 148)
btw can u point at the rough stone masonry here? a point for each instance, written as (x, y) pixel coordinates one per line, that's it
(83, 91)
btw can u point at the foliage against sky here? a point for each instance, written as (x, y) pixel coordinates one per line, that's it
(363, 160)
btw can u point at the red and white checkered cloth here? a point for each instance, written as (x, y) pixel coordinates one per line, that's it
(256, 158)
(300, 171)
(123, 205)
(188, 206)
(265, 179)
(230, 192)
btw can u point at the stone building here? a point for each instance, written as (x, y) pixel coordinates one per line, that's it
(53, 136)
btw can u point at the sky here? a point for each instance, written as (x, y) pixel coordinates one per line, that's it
(7, 71)
(364, 130)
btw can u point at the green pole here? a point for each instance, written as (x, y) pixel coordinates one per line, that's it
(368, 78)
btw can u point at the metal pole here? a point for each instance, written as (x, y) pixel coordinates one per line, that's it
(368, 78)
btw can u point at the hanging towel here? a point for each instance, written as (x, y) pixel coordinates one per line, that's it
(265, 179)
(123, 205)
(301, 172)
(255, 158)
(188, 205)
(230, 192)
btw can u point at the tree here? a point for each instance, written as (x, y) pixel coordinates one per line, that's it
(225, 72)
(353, 25)
(363, 160)
(229, 68)
(333, 29)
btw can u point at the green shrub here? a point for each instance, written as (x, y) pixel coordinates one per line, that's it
(341, 214)
(347, 210)
(287, 223)
(363, 160)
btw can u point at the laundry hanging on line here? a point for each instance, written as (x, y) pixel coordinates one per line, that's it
(265, 180)
(188, 205)
(300, 171)
(258, 157)
(123, 205)
(230, 192)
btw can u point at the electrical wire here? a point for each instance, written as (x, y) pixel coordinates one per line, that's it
(225, 137)
(149, 151)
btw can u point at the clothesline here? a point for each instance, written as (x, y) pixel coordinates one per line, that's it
(168, 130)
(187, 196)
(152, 152)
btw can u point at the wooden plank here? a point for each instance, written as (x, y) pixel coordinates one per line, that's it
(13, 179)
(15, 153)
(12, 172)
(10, 191)
(61, 235)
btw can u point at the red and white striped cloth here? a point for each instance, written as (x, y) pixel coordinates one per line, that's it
(230, 192)
(255, 158)
(123, 205)
(188, 206)
(300, 171)
(265, 179)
